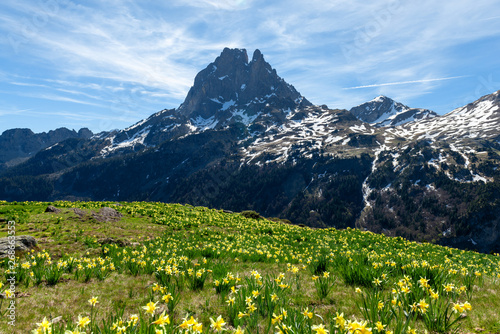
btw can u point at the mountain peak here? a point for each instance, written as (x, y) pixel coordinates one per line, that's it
(232, 56)
(232, 84)
(257, 55)
(384, 111)
(381, 98)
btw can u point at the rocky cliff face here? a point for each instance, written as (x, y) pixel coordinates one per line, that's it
(233, 85)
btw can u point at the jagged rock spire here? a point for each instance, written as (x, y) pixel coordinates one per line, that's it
(231, 83)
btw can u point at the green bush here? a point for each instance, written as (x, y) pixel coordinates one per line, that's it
(251, 214)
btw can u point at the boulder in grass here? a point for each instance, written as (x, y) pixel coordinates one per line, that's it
(112, 241)
(21, 243)
(107, 215)
(80, 213)
(52, 209)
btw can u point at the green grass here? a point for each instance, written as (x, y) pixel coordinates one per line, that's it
(195, 238)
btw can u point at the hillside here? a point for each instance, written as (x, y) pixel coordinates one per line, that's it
(245, 139)
(383, 111)
(127, 267)
(18, 145)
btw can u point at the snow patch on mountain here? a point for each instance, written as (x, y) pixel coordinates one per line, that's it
(227, 105)
(478, 120)
(202, 124)
(137, 139)
(383, 112)
(304, 132)
(239, 115)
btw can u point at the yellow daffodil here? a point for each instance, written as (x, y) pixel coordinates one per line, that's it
(422, 306)
(340, 321)
(83, 321)
(319, 329)
(8, 293)
(449, 287)
(380, 326)
(251, 308)
(230, 301)
(133, 319)
(162, 320)
(93, 301)
(276, 318)
(307, 314)
(168, 297)
(150, 308)
(75, 331)
(45, 324)
(424, 283)
(198, 327)
(457, 308)
(217, 325)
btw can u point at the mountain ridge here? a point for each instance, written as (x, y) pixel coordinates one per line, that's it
(383, 111)
(229, 90)
(245, 139)
(17, 145)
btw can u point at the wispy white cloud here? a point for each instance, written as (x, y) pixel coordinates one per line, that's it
(134, 55)
(217, 4)
(122, 48)
(55, 97)
(13, 111)
(406, 82)
(491, 18)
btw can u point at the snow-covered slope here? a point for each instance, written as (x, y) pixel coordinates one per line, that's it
(230, 90)
(279, 125)
(383, 111)
(311, 131)
(476, 121)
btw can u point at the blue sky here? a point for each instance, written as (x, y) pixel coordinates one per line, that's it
(107, 64)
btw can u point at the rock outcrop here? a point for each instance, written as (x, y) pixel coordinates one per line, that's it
(52, 209)
(107, 215)
(22, 243)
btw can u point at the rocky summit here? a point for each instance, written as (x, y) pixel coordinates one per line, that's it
(245, 139)
(232, 89)
(384, 111)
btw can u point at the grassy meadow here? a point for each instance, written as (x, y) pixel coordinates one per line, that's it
(170, 268)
